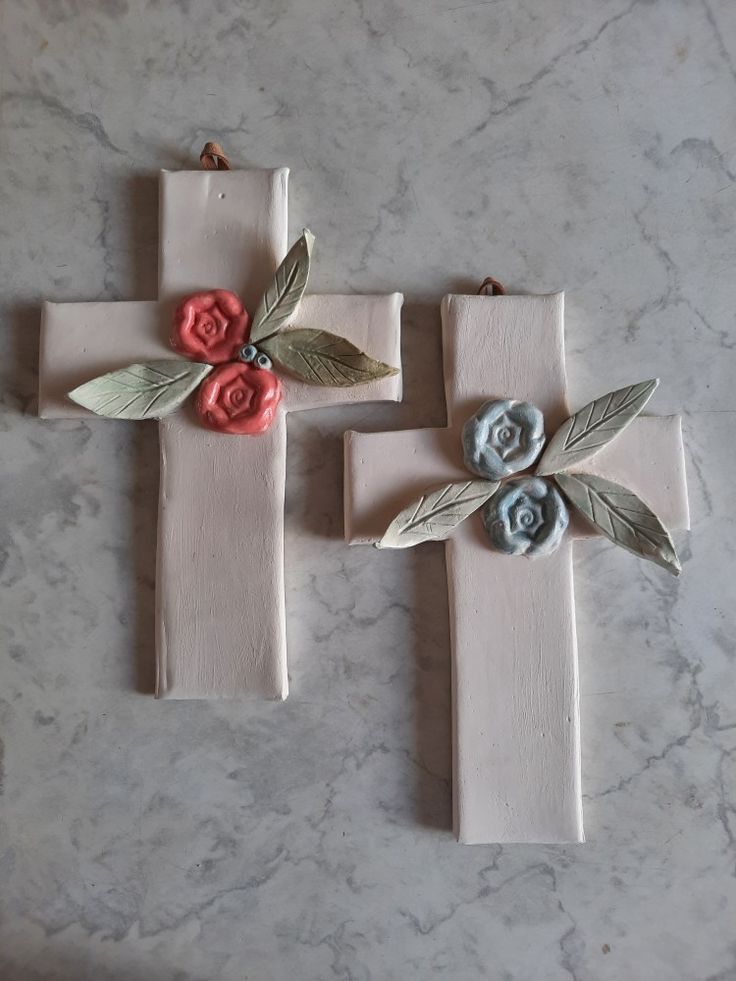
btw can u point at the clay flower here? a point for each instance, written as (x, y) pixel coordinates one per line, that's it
(211, 326)
(503, 437)
(239, 398)
(525, 516)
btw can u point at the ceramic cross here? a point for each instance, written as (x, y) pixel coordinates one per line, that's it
(516, 759)
(220, 583)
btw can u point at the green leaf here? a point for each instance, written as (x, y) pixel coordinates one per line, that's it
(434, 515)
(621, 516)
(596, 424)
(141, 391)
(282, 296)
(322, 358)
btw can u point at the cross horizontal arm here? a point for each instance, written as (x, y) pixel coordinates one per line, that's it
(82, 340)
(372, 324)
(385, 471)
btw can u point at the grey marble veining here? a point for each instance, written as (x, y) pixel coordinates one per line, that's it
(583, 146)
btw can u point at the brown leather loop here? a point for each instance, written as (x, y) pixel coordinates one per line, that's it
(497, 289)
(212, 157)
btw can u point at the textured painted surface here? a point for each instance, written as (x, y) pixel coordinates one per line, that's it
(587, 146)
(512, 621)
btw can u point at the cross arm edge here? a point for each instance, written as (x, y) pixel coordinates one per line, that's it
(384, 471)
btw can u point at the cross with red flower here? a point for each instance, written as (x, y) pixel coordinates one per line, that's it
(250, 346)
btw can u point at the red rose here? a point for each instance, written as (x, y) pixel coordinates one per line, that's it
(239, 398)
(210, 326)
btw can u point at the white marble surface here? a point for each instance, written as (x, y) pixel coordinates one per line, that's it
(588, 146)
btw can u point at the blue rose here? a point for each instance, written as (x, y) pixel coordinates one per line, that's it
(503, 437)
(526, 516)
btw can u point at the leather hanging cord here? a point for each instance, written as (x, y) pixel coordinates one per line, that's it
(213, 157)
(496, 288)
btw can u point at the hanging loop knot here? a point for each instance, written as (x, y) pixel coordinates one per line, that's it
(492, 287)
(213, 157)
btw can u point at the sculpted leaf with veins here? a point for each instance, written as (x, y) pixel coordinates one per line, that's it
(594, 426)
(435, 514)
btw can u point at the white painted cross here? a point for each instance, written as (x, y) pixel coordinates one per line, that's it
(220, 583)
(516, 759)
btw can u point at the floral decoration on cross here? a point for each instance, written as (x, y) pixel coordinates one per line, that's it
(527, 514)
(232, 358)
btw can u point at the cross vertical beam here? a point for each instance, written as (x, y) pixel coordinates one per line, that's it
(512, 625)
(220, 622)
(516, 746)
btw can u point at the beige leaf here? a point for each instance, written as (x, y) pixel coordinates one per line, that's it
(283, 295)
(595, 425)
(435, 514)
(621, 516)
(141, 391)
(322, 358)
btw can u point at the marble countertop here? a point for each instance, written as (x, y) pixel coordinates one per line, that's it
(585, 146)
